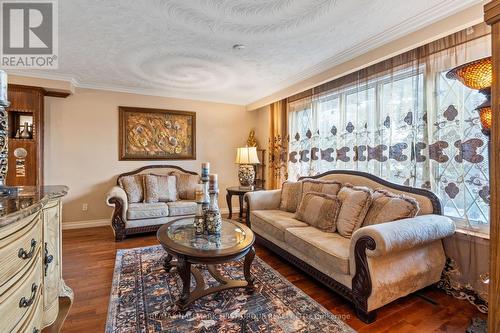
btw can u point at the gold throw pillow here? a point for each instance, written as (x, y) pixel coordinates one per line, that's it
(356, 201)
(319, 210)
(330, 187)
(291, 194)
(388, 207)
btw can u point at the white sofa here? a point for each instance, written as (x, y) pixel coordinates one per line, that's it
(378, 264)
(133, 218)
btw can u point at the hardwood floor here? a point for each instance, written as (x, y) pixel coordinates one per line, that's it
(89, 258)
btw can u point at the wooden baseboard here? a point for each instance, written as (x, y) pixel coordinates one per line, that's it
(107, 222)
(86, 224)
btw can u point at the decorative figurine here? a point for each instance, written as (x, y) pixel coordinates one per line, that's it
(252, 141)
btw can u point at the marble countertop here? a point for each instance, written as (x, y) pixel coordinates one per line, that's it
(23, 201)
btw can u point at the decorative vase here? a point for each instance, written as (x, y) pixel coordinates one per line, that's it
(213, 218)
(246, 175)
(25, 134)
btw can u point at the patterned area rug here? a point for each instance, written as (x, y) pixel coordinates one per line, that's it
(143, 293)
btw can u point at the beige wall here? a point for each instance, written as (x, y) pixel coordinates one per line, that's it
(81, 143)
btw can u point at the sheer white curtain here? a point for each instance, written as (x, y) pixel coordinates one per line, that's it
(407, 124)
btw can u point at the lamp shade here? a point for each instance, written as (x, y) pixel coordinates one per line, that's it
(475, 75)
(247, 155)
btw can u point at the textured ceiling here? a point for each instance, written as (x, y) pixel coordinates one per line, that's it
(183, 48)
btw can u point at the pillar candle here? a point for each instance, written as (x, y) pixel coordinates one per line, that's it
(212, 180)
(205, 169)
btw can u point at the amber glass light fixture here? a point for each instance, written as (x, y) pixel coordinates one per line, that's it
(477, 75)
(485, 116)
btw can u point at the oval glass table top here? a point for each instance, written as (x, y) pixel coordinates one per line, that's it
(183, 233)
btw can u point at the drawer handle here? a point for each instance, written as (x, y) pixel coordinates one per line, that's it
(23, 302)
(27, 255)
(48, 259)
(36, 330)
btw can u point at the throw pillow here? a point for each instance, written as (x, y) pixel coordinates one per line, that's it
(151, 191)
(331, 187)
(167, 188)
(186, 185)
(319, 210)
(387, 207)
(356, 201)
(291, 194)
(132, 185)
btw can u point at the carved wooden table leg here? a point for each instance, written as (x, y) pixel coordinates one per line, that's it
(229, 206)
(246, 269)
(240, 214)
(184, 269)
(167, 263)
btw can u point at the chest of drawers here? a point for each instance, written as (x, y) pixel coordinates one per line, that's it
(32, 290)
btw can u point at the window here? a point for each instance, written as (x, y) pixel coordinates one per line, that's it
(412, 126)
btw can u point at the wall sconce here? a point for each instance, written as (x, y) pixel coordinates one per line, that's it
(477, 75)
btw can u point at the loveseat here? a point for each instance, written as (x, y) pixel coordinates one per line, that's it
(146, 198)
(377, 263)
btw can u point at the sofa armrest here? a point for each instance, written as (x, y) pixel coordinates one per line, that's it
(117, 193)
(263, 200)
(117, 198)
(404, 234)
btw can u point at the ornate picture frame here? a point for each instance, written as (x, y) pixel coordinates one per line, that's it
(156, 134)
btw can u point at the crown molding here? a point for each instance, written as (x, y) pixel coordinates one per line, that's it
(120, 89)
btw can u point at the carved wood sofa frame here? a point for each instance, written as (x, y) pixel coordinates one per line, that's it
(117, 221)
(361, 282)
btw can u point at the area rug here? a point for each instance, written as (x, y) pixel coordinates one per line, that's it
(143, 293)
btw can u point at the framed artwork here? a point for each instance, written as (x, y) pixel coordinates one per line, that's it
(155, 134)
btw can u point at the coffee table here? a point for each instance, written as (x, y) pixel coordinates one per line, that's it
(179, 240)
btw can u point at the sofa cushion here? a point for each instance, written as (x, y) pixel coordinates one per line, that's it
(179, 208)
(329, 249)
(356, 201)
(132, 185)
(138, 211)
(186, 185)
(275, 222)
(331, 187)
(319, 210)
(387, 207)
(291, 194)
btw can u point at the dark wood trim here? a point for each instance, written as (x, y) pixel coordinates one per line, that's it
(146, 167)
(57, 93)
(492, 18)
(436, 203)
(361, 282)
(121, 136)
(43, 91)
(117, 222)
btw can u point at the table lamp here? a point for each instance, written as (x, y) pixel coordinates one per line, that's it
(246, 157)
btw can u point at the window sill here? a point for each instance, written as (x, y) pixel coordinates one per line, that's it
(475, 233)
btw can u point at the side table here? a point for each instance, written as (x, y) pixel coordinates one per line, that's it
(236, 190)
